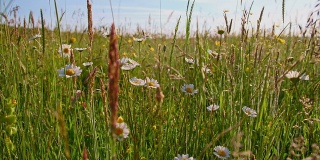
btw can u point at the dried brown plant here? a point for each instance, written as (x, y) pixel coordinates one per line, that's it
(90, 24)
(104, 101)
(113, 75)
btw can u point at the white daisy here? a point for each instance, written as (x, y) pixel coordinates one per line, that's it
(221, 152)
(133, 62)
(213, 107)
(105, 34)
(86, 64)
(304, 77)
(69, 71)
(189, 89)
(214, 54)
(148, 37)
(139, 39)
(189, 60)
(128, 66)
(137, 82)
(65, 50)
(250, 112)
(122, 131)
(295, 76)
(124, 60)
(35, 37)
(80, 49)
(151, 83)
(183, 157)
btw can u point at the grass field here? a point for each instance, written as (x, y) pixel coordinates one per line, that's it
(177, 95)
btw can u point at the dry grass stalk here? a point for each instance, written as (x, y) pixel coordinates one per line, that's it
(72, 60)
(92, 74)
(90, 30)
(259, 23)
(237, 154)
(276, 91)
(297, 147)
(31, 18)
(5, 17)
(104, 101)
(113, 74)
(159, 95)
(24, 25)
(91, 84)
(76, 97)
(243, 24)
(228, 25)
(63, 130)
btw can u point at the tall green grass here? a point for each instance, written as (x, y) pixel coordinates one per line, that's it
(251, 72)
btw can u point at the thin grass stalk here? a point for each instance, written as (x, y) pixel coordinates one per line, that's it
(209, 145)
(226, 21)
(58, 22)
(174, 41)
(188, 26)
(43, 33)
(6, 30)
(159, 66)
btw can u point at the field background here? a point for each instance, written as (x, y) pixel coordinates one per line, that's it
(38, 119)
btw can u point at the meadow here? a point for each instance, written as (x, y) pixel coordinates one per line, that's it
(211, 95)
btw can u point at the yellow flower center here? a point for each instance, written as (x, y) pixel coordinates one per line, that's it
(309, 106)
(222, 153)
(14, 101)
(184, 159)
(215, 54)
(136, 82)
(66, 50)
(119, 131)
(189, 90)
(151, 84)
(70, 72)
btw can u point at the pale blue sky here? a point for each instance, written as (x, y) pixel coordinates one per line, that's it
(130, 13)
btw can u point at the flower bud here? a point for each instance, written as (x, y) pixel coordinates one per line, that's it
(220, 31)
(10, 119)
(10, 130)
